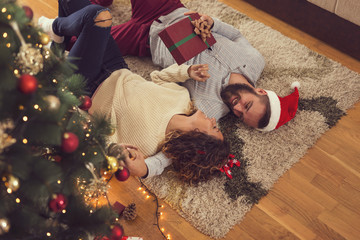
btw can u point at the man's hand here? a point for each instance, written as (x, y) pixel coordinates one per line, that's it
(134, 161)
(203, 17)
(199, 72)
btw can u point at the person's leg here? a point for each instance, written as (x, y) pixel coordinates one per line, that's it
(132, 36)
(94, 53)
(67, 7)
(149, 10)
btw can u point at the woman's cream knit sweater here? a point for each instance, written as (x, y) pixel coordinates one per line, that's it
(140, 109)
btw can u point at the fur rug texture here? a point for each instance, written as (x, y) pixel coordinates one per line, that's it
(327, 90)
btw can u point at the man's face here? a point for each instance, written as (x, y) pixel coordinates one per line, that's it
(248, 106)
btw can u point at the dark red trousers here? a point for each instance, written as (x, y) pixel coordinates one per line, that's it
(132, 37)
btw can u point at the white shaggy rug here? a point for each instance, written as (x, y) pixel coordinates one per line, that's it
(327, 91)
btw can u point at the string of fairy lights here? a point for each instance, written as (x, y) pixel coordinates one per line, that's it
(159, 214)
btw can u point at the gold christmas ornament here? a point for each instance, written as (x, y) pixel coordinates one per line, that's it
(44, 38)
(113, 164)
(4, 226)
(112, 131)
(53, 102)
(29, 59)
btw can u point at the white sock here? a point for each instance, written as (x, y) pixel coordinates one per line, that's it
(46, 24)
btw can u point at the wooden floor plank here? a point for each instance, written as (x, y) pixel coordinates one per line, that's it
(339, 225)
(298, 177)
(274, 206)
(344, 193)
(261, 226)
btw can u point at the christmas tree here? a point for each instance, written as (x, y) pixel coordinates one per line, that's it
(53, 155)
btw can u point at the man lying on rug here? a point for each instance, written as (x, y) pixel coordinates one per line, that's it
(234, 65)
(155, 115)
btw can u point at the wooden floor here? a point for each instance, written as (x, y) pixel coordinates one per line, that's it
(319, 198)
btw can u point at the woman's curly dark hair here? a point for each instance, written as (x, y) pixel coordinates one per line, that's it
(195, 156)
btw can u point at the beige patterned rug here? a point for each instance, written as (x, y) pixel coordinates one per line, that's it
(327, 91)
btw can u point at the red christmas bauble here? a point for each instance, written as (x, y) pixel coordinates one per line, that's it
(27, 84)
(69, 143)
(117, 232)
(122, 174)
(58, 203)
(85, 103)
(28, 12)
(57, 158)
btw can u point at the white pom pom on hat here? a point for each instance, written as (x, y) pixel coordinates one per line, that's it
(295, 85)
(282, 109)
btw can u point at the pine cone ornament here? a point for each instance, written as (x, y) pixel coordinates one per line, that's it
(129, 212)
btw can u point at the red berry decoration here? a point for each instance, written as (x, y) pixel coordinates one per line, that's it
(57, 203)
(85, 103)
(27, 84)
(69, 143)
(122, 174)
(117, 232)
(28, 12)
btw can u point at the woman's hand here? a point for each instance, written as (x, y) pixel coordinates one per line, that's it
(134, 161)
(203, 17)
(199, 72)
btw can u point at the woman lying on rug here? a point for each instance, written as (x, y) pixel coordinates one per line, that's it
(152, 115)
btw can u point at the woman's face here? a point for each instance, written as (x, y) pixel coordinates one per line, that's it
(206, 125)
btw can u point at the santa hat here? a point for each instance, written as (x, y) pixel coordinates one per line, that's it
(282, 109)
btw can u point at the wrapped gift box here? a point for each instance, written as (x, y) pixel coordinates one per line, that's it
(182, 41)
(118, 207)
